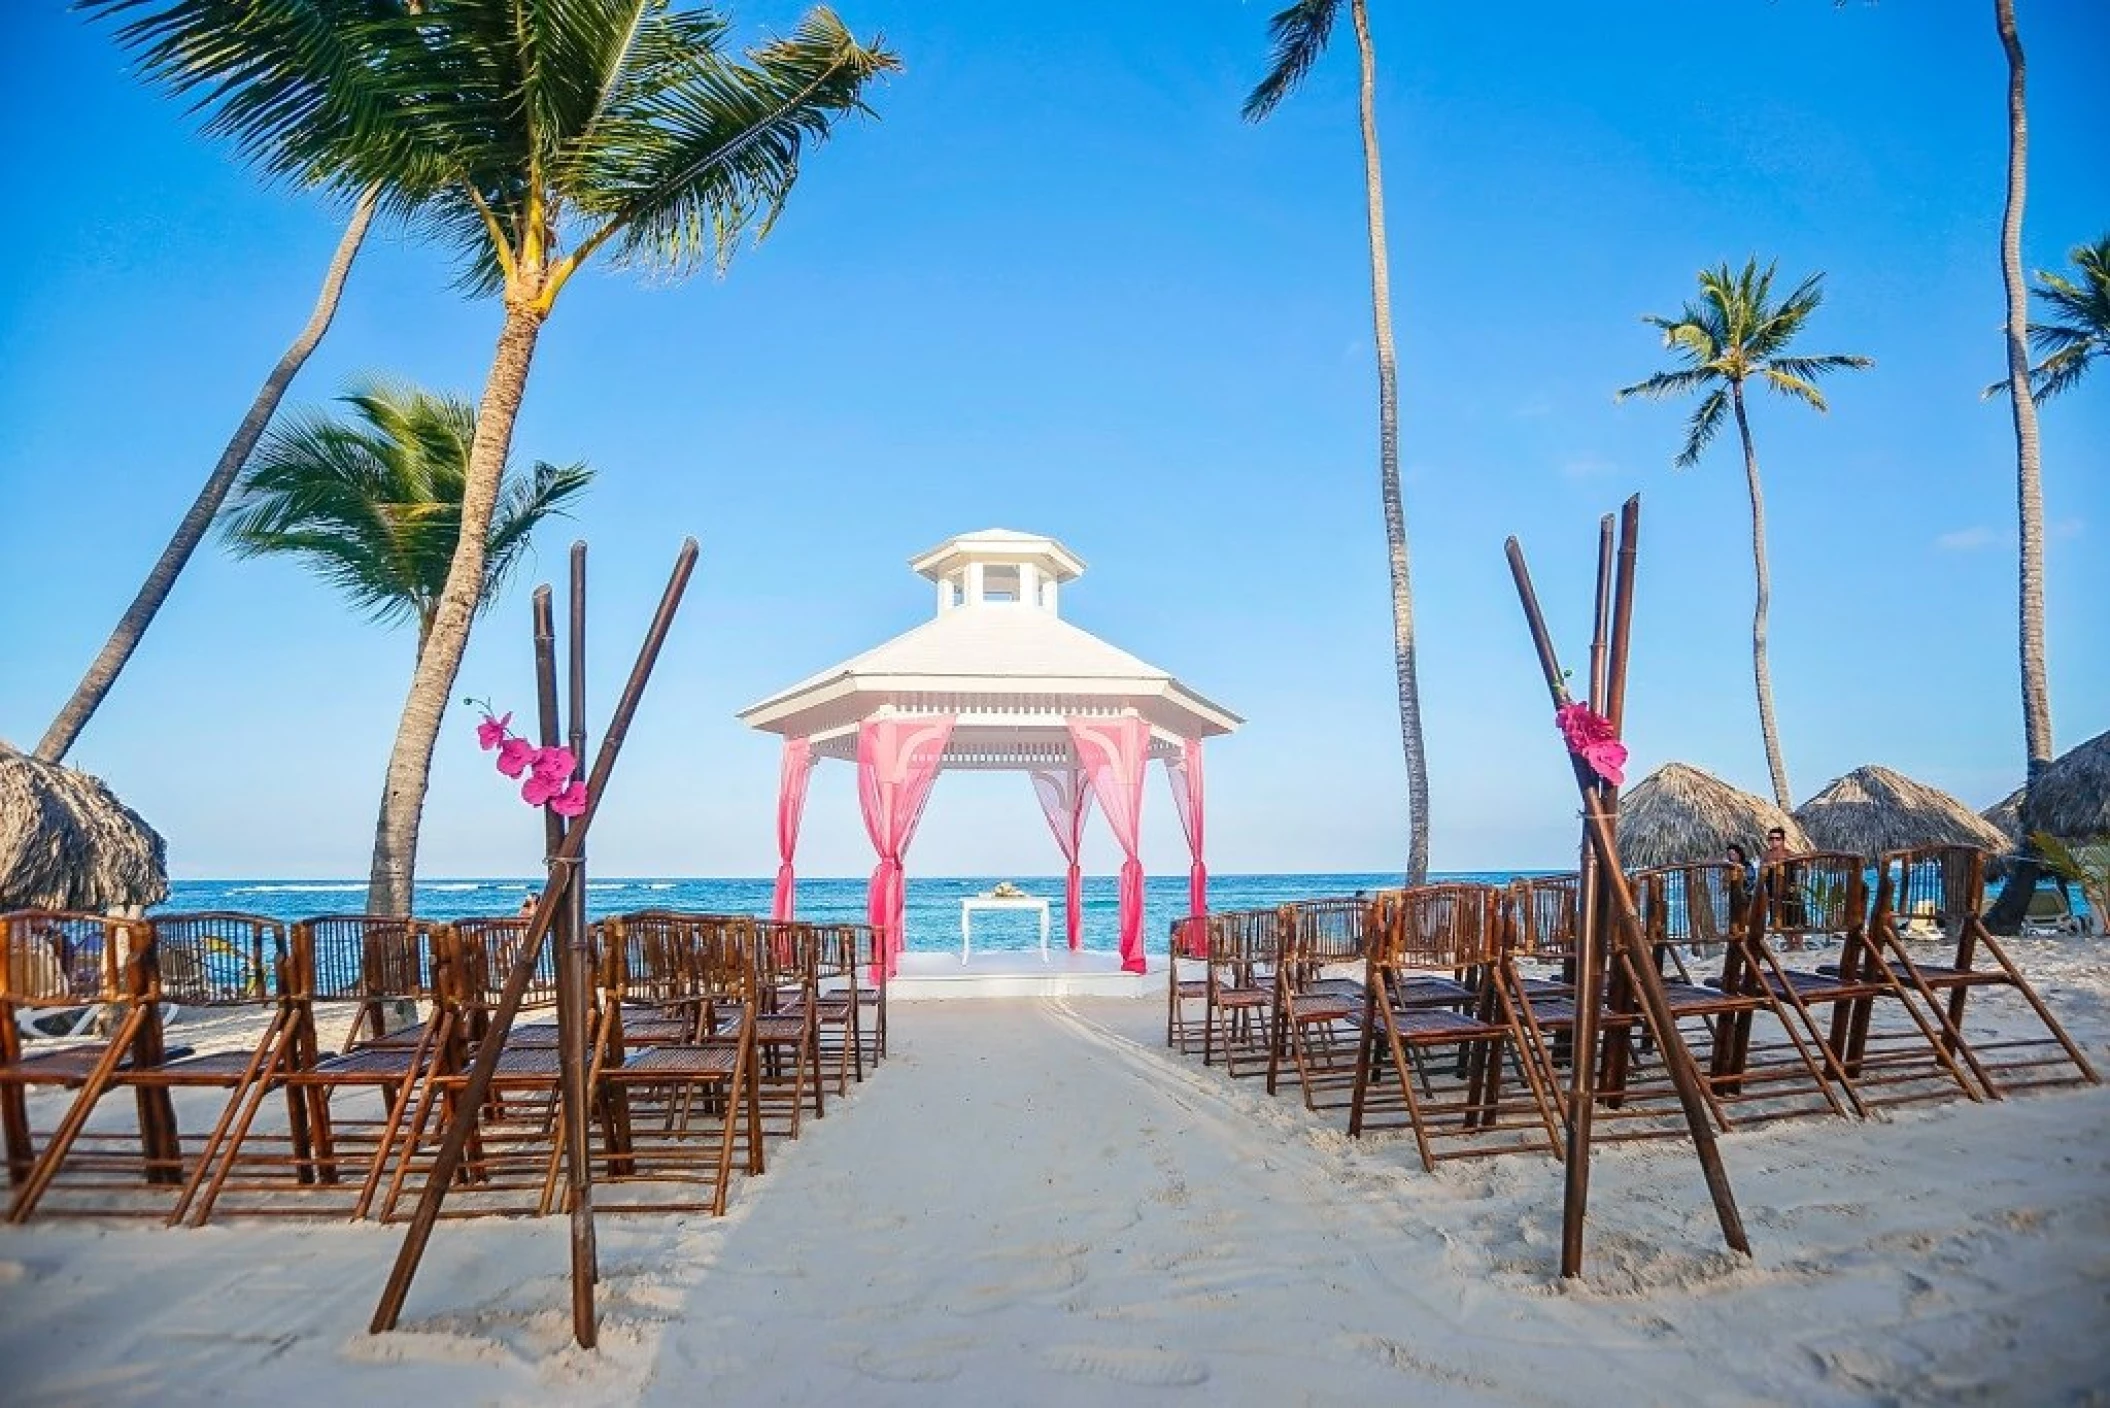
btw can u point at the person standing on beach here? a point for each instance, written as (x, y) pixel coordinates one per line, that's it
(528, 903)
(1780, 883)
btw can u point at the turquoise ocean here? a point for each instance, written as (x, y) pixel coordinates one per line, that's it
(933, 902)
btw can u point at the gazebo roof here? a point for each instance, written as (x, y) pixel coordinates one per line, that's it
(1010, 670)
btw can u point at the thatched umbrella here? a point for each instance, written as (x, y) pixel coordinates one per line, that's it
(1873, 809)
(1679, 814)
(66, 842)
(2073, 796)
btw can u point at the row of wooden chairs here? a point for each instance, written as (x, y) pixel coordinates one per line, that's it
(701, 1029)
(1451, 1008)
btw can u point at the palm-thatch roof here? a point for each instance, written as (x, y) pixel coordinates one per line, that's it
(66, 842)
(1874, 809)
(2073, 796)
(1678, 814)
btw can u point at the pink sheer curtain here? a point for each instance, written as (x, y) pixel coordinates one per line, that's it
(791, 805)
(897, 763)
(1185, 774)
(1113, 752)
(1066, 798)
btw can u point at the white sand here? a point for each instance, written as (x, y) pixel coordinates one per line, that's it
(1034, 1202)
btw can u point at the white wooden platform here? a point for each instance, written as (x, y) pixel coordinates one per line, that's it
(925, 977)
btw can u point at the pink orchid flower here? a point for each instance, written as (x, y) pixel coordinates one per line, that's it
(1589, 735)
(514, 756)
(554, 764)
(492, 732)
(539, 790)
(571, 801)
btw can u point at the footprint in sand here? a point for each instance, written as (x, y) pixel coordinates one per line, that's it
(1031, 1283)
(1143, 1368)
(933, 1362)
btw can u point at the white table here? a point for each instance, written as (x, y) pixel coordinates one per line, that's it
(973, 903)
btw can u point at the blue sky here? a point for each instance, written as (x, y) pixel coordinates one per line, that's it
(1059, 286)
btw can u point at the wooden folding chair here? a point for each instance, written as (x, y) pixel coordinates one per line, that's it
(1239, 990)
(838, 998)
(1906, 1056)
(787, 1026)
(372, 973)
(1319, 998)
(1947, 883)
(76, 972)
(1187, 943)
(705, 967)
(213, 962)
(1441, 931)
(511, 1163)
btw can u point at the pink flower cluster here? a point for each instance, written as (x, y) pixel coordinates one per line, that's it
(1590, 737)
(548, 770)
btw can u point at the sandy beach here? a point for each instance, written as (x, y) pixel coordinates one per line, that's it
(1035, 1202)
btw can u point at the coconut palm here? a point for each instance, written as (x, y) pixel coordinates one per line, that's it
(1733, 333)
(373, 502)
(532, 138)
(1300, 34)
(2079, 330)
(190, 531)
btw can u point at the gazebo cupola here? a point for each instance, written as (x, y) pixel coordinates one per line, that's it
(997, 567)
(996, 680)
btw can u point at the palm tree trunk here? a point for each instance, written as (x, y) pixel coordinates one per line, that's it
(2036, 689)
(1388, 470)
(132, 626)
(1760, 670)
(392, 875)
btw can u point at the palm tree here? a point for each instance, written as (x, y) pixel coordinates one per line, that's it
(1734, 332)
(161, 579)
(2079, 332)
(374, 502)
(531, 138)
(1300, 34)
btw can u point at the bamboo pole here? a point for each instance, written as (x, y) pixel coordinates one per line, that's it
(1589, 971)
(572, 959)
(1677, 1059)
(448, 1159)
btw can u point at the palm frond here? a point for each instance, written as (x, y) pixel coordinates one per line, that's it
(371, 502)
(1664, 385)
(1701, 429)
(1298, 36)
(1788, 384)
(1811, 368)
(2059, 372)
(703, 147)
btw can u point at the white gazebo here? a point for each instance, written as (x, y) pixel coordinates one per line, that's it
(996, 681)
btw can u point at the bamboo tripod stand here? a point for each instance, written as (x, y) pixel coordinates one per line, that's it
(1606, 903)
(562, 911)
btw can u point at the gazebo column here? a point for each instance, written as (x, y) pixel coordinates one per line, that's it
(1113, 752)
(792, 777)
(1066, 798)
(897, 764)
(1184, 772)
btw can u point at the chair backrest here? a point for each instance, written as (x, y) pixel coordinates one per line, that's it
(650, 957)
(1941, 884)
(1243, 941)
(1323, 933)
(1442, 928)
(485, 951)
(369, 958)
(62, 958)
(1543, 917)
(1822, 892)
(220, 958)
(1689, 904)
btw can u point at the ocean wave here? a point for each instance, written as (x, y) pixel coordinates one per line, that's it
(450, 889)
(608, 884)
(658, 885)
(353, 888)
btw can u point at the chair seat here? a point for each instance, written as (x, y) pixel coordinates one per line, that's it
(1243, 997)
(1193, 987)
(780, 1029)
(68, 1067)
(676, 1061)
(1324, 1007)
(217, 1068)
(1435, 1025)
(1336, 987)
(1427, 990)
(528, 1062)
(1821, 986)
(376, 1062)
